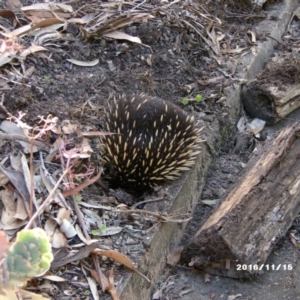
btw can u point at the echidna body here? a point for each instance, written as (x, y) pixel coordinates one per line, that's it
(155, 141)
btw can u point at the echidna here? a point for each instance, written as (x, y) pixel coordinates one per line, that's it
(155, 141)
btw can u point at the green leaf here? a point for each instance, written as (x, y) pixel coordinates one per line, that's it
(103, 228)
(198, 98)
(78, 198)
(100, 231)
(86, 293)
(185, 101)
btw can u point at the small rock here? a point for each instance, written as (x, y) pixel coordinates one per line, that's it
(226, 170)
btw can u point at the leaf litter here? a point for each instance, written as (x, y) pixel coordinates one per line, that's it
(58, 153)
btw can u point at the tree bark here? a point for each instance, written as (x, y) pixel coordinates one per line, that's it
(254, 214)
(275, 92)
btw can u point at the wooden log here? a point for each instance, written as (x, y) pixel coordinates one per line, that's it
(254, 214)
(255, 5)
(275, 92)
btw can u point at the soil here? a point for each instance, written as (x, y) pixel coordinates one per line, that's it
(173, 63)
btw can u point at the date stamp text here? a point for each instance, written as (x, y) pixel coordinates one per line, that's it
(264, 267)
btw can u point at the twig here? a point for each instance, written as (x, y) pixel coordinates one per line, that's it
(140, 4)
(98, 270)
(47, 201)
(14, 137)
(16, 82)
(155, 214)
(31, 167)
(80, 218)
(80, 187)
(271, 37)
(49, 182)
(146, 201)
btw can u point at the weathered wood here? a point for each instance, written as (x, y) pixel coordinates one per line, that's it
(255, 5)
(275, 92)
(255, 214)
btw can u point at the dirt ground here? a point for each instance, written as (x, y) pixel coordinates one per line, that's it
(174, 63)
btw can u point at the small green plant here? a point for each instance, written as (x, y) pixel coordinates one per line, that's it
(30, 255)
(47, 79)
(78, 180)
(86, 293)
(197, 99)
(185, 101)
(100, 231)
(78, 198)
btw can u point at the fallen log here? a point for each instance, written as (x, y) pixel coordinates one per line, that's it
(238, 237)
(275, 92)
(255, 5)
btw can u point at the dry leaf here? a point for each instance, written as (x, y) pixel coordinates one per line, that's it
(16, 293)
(64, 213)
(253, 37)
(6, 13)
(80, 187)
(48, 10)
(9, 211)
(29, 71)
(12, 128)
(32, 49)
(15, 161)
(11, 229)
(80, 21)
(93, 287)
(103, 281)
(207, 278)
(3, 179)
(233, 51)
(293, 240)
(47, 23)
(18, 32)
(109, 22)
(157, 295)
(117, 256)
(84, 63)
(67, 127)
(21, 213)
(37, 6)
(122, 36)
(111, 230)
(54, 278)
(63, 258)
(232, 297)
(81, 236)
(112, 289)
(49, 183)
(28, 295)
(50, 226)
(63, 7)
(58, 239)
(96, 133)
(6, 57)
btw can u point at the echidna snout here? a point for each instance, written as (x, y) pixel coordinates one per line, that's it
(155, 141)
